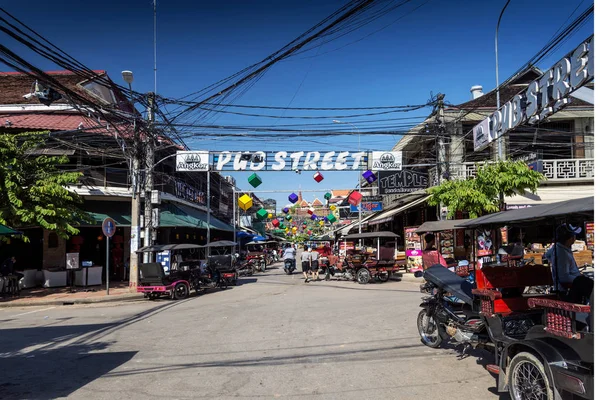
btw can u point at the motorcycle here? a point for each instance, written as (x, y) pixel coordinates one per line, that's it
(245, 268)
(205, 277)
(345, 271)
(447, 312)
(289, 266)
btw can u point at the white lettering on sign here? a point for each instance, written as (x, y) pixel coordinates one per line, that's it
(310, 163)
(279, 160)
(340, 163)
(326, 164)
(542, 98)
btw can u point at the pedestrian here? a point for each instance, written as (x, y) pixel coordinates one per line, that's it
(8, 268)
(314, 264)
(305, 259)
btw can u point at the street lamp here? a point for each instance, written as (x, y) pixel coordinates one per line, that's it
(336, 121)
(135, 199)
(501, 138)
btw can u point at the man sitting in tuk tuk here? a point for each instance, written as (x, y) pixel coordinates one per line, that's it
(568, 280)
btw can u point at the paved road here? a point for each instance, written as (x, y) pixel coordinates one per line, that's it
(272, 337)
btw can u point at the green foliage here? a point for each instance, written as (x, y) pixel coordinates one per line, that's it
(481, 194)
(32, 188)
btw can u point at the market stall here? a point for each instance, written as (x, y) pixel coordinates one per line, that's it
(449, 239)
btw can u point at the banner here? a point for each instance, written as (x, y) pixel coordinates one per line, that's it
(405, 181)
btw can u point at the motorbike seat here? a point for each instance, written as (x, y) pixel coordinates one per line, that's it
(447, 280)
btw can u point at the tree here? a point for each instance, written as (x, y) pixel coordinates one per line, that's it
(33, 189)
(481, 194)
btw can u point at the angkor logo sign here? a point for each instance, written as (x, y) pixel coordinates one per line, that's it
(387, 161)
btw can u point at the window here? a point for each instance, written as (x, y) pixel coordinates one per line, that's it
(52, 240)
(100, 91)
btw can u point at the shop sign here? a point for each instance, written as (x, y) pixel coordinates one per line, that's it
(369, 206)
(192, 161)
(406, 181)
(386, 161)
(542, 98)
(189, 193)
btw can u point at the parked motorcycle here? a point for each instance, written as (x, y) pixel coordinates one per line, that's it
(332, 271)
(289, 266)
(447, 312)
(205, 277)
(245, 268)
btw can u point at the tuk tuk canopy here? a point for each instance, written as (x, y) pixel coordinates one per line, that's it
(369, 235)
(438, 226)
(583, 206)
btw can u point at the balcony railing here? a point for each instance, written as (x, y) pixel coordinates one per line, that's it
(553, 170)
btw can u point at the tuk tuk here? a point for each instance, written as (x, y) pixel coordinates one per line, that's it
(379, 264)
(542, 345)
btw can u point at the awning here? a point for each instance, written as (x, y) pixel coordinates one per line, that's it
(347, 228)
(5, 230)
(387, 216)
(437, 226)
(98, 211)
(171, 215)
(531, 214)
(179, 215)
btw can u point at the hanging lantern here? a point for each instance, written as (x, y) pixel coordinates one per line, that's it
(261, 214)
(355, 198)
(332, 207)
(270, 216)
(285, 210)
(309, 232)
(254, 180)
(321, 222)
(311, 211)
(369, 176)
(327, 196)
(245, 202)
(293, 198)
(275, 223)
(288, 217)
(331, 218)
(314, 217)
(318, 177)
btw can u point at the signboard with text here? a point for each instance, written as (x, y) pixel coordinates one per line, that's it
(405, 181)
(386, 161)
(368, 206)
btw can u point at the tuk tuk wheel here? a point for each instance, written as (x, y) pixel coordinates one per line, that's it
(384, 276)
(181, 291)
(363, 276)
(527, 378)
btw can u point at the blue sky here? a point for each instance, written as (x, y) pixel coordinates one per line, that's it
(444, 46)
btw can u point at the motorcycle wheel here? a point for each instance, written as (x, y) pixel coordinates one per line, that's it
(527, 377)
(181, 291)
(363, 276)
(430, 335)
(263, 266)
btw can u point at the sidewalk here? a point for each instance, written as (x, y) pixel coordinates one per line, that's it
(119, 291)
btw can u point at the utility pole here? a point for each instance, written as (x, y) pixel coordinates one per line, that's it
(208, 206)
(135, 193)
(441, 154)
(149, 181)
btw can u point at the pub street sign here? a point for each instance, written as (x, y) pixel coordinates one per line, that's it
(542, 98)
(192, 161)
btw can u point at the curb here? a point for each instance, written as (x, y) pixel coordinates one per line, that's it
(110, 299)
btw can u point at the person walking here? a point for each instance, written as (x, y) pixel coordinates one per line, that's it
(314, 264)
(305, 259)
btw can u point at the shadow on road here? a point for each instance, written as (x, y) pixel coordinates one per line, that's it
(362, 355)
(47, 362)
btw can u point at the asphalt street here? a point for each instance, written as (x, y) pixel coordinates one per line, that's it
(273, 336)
